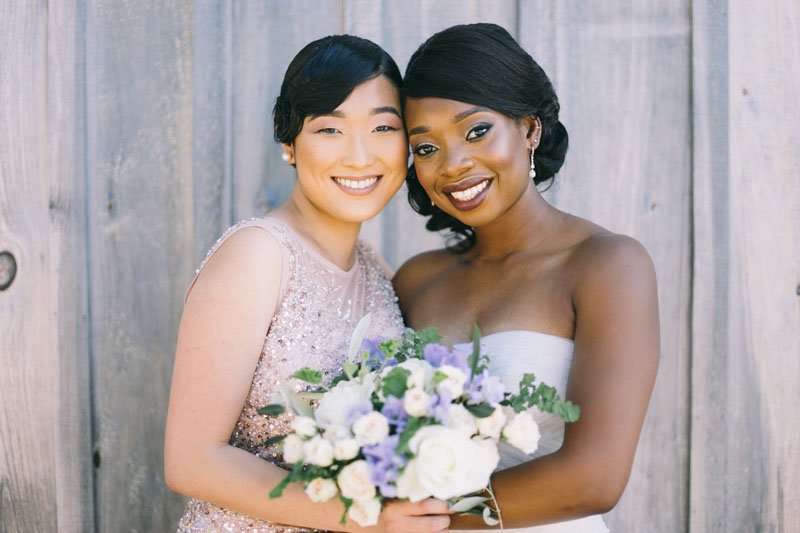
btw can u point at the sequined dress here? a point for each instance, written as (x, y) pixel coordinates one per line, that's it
(318, 308)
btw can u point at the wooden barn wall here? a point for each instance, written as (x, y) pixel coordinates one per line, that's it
(132, 133)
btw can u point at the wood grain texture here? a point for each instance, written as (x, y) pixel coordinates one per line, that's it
(69, 300)
(265, 38)
(746, 324)
(28, 488)
(622, 73)
(139, 170)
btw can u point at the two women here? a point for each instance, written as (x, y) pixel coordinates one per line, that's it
(553, 294)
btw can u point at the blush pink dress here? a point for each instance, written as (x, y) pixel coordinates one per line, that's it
(318, 309)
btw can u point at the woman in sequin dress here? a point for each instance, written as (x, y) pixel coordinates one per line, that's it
(285, 291)
(552, 293)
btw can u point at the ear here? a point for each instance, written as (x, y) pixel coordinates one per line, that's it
(288, 149)
(533, 129)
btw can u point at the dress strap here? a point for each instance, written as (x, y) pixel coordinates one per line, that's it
(276, 228)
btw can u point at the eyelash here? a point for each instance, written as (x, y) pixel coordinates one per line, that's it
(380, 129)
(480, 130)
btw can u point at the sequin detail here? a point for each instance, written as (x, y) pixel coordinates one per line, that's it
(311, 327)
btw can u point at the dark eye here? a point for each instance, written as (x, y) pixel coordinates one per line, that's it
(328, 131)
(424, 149)
(385, 127)
(478, 131)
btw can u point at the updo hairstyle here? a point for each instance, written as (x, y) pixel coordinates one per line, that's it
(481, 64)
(322, 75)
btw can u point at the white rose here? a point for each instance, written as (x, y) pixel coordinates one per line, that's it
(447, 464)
(293, 449)
(345, 449)
(523, 432)
(355, 483)
(492, 425)
(334, 433)
(462, 420)
(417, 402)
(319, 451)
(304, 426)
(371, 428)
(408, 485)
(421, 372)
(321, 489)
(454, 383)
(334, 406)
(365, 513)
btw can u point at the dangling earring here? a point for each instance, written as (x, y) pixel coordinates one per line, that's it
(285, 157)
(532, 172)
(432, 204)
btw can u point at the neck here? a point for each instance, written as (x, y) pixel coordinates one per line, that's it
(526, 225)
(333, 238)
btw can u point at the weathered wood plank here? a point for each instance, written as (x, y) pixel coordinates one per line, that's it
(622, 74)
(69, 266)
(398, 232)
(28, 491)
(266, 36)
(746, 321)
(139, 165)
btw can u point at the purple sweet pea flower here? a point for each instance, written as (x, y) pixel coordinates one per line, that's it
(435, 354)
(383, 464)
(358, 410)
(486, 388)
(376, 356)
(441, 407)
(393, 410)
(458, 358)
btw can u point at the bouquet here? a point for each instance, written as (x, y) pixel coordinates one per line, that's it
(408, 418)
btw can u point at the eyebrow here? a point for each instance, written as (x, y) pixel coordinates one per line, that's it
(374, 111)
(456, 119)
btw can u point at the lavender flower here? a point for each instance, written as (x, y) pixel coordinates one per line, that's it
(458, 358)
(358, 410)
(376, 357)
(486, 388)
(384, 463)
(393, 410)
(441, 407)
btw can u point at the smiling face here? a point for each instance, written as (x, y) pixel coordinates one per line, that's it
(472, 161)
(351, 161)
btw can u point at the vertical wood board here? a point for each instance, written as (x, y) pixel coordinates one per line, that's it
(68, 267)
(622, 74)
(28, 489)
(139, 124)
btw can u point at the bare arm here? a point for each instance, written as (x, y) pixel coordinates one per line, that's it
(611, 379)
(221, 335)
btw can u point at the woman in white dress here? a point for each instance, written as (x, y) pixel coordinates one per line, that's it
(553, 294)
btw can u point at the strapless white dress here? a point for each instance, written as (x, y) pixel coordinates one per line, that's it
(512, 354)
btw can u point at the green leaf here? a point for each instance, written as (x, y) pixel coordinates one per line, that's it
(347, 504)
(350, 369)
(394, 384)
(390, 347)
(295, 402)
(274, 440)
(428, 336)
(438, 377)
(476, 350)
(412, 425)
(308, 375)
(482, 410)
(341, 377)
(273, 409)
(358, 338)
(277, 492)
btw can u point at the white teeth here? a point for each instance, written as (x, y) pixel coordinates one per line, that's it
(469, 194)
(356, 184)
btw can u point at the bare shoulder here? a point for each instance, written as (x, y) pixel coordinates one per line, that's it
(605, 255)
(419, 272)
(249, 261)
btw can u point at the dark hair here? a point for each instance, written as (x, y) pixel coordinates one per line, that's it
(322, 75)
(482, 64)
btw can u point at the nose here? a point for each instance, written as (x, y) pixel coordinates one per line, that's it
(455, 162)
(359, 152)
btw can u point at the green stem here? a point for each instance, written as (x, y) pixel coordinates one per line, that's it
(496, 505)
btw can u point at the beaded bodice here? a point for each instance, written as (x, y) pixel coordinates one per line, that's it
(319, 307)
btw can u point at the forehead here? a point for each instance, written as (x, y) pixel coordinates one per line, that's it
(379, 91)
